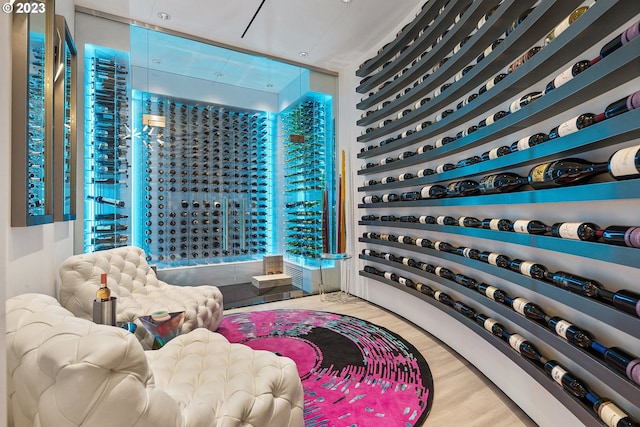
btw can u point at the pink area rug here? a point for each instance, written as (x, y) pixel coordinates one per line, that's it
(354, 373)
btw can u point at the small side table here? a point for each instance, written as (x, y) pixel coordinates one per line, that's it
(343, 293)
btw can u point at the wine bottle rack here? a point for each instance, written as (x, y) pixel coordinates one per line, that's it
(32, 151)
(308, 156)
(207, 196)
(107, 144)
(408, 85)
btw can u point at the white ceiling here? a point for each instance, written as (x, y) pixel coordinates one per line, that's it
(333, 33)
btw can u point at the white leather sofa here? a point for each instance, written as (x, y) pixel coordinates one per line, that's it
(137, 288)
(63, 371)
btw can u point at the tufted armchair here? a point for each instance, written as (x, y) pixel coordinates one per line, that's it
(63, 371)
(138, 289)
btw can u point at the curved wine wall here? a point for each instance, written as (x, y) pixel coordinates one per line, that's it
(408, 97)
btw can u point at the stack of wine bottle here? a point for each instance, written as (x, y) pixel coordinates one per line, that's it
(625, 300)
(36, 163)
(107, 168)
(305, 127)
(206, 191)
(614, 357)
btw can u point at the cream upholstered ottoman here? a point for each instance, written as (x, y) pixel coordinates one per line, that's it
(63, 371)
(137, 288)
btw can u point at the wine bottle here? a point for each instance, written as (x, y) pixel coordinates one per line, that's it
(620, 235)
(496, 259)
(408, 218)
(445, 273)
(469, 221)
(524, 347)
(370, 199)
(107, 201)
(373, 270)
(468, 161)
(425, 172)
(370, 235)
(573, 125)
(524, 101)
(617, 42)
(497, 224)
(410, 262)
(524, 58)
(565, 24)
(407, 240)
(528, 268)
(464, 309)
(433, 191)
(566, 380)
(390, 276)
(446, 220)
(564, 172)
(389, 237)
(371, 252)
(369, 182)
(445, 167)
(526, 308)
(571, 333)
(567, 75)
(489, 49)
(492, 118)
(406, 155)
(529, 141)
(491, 325)
(427, 219)
(425, 266)
(486, 16)
(494, 153)
(465, 281)
(530, 226)
(625, 163)
(491, 83)
(573, 283)
(406, 282)
(410, 196)
(619, 360)
(370, 218)
(405, 176)
(425, 148)
(611, 414)
(390, 197)
(575, 230)
(465, 187)
(491, 292)
(103, 293)
(443, 298)
(424, 289)
(501, 183)
(443, 246)
(623, 299)
(388, 218)
(622, 105)
(387, 180)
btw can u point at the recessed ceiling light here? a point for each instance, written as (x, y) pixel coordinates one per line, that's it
(303, 54)
(346, 1)
(164, 16)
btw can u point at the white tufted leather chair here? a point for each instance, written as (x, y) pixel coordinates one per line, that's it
(63, 371)
(138, 289)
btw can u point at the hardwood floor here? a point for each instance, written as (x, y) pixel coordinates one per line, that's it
(463, 397)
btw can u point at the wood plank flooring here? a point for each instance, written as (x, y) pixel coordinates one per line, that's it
(463, 397)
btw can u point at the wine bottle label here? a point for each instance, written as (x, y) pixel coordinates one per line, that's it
(557, 373)
(568, 127)
(525, 268)
(490, 291)
(563, 77)
(458, 76)
(489, 120)
(569, 230)
(383, 161)
(523, 143)
(402, 177)
(399, 115)
(439, 142)
(440, 169)
(438, 268)
(482, 21)
(440, 220)
(611, 414)
(423, 219)
(493, 258)
(368, 199)
(386, 197)
(419, 287)
(493, 224)
(415, 107)
(437, 92)
(422, 173)
(493, 154)
(401, 239)
(537, 173)
(402, 280)
(518, 305)
(386, 180)
(466, 252)
(520, 226)
(561, 328)
(632, 239)
(436, 246)
(623, 162)
(387, 275)
(490, 84)
(419, 242)
(489, 323)
(461, 221)
(515, 341)
(425, 191)
(405, 261)
(436, 295)
(514, 106)
(404, 134)
(488, 50)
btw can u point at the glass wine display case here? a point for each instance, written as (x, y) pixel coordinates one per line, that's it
(308, 176)
(205, 188)
(32, 129)
(107, 187)
(65, 126)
